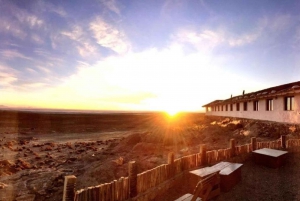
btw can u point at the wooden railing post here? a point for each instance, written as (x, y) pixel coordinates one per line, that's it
(253, 143)
(69, 188)
(132, 172)
(203, 154)
(171, 164)
(232, 147)
(283, 141)
(171, 158)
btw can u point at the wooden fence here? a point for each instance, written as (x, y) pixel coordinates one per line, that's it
(135, 184)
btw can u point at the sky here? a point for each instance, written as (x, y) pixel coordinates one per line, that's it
(169, 55)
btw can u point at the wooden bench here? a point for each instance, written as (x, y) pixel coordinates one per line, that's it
(205, 189)
(230, 176)
(269, 157)
(203, 172)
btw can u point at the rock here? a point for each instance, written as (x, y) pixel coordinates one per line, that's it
(47, 148)
(27, 197)
(72, 158)
(2, 185)
(6, 163)
(51, 144)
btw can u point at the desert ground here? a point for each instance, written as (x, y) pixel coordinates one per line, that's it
(38, 149)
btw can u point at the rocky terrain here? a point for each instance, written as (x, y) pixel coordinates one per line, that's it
(39, 149)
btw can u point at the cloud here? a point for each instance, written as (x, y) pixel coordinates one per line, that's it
(55, 9)
(37, 39)
(205, 40)
(151, 79)
(43, 69)
(243, 40)
(83, 45)
(26, 18)
(10, 27)
(109, 36)
(7, 79)
(86, 49)
(273, 26)
(7, 76)
(280, 22)
(112, 6)
(31, 70)
(13, 54)
(49, 59)
(30, 85)
(75, 34)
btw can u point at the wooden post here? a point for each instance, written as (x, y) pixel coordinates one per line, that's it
(203, 154)
(132, 171)
(171, 164)
(283, 141)
(232, 147)
(171, 158)
(69, 188)
(253, 143)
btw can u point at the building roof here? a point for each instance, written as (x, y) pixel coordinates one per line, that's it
(215, 102)
(281, 90)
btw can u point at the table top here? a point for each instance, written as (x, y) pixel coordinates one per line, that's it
(270, 152)
(187, 197)
(209, 170)
(231, 168)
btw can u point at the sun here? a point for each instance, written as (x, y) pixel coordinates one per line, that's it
(172, 112)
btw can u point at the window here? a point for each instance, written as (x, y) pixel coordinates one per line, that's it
(255, 105)
(289, 103)
(226, 107)
(221, 107)
(245, 106)
(231, 107)
(237, 106)
(269, 104)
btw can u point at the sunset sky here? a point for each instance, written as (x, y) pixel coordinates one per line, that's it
(144, 55)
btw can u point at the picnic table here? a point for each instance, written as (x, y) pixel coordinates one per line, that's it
(230, 174)
(203, 172)
(269, 157)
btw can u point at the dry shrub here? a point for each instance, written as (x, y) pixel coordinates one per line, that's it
(47, 148)
(51, 144)
(145, 148)
(24, 164)
(69, 145)
(292, 128)
(119, 161)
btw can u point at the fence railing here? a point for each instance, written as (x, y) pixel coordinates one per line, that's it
(139, 183)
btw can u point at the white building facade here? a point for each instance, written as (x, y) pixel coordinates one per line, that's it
(279, 104)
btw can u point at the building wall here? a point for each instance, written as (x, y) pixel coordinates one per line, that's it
(278, 113)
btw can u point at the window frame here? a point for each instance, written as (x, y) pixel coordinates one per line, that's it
(269, 104)
(237, 106)
(255, 105)
(245, 106)
(289, 103)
